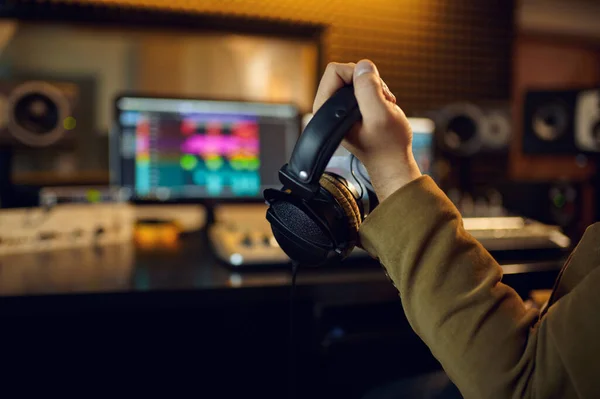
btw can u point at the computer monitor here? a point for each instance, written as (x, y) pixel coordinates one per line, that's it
(175, 149)
(422, 144)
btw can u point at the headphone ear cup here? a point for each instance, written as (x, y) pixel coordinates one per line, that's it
(302, 228)
(347, 202)
(301, 237)
(316, 231)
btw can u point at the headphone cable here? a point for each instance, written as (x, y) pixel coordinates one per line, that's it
(353, 160)
(292, 343)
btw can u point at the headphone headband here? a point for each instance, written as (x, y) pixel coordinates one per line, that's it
(316, 145)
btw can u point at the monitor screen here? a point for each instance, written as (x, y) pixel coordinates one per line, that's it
(178, 149)
(422, 144)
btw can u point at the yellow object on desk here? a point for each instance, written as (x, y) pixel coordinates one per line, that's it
(159, 234)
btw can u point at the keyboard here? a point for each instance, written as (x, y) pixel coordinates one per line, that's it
(515, 233)
(241, 236)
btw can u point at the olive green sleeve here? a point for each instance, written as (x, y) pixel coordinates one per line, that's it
(489, 344)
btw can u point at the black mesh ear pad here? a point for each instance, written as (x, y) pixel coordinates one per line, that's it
(302, 231)
(315, 231)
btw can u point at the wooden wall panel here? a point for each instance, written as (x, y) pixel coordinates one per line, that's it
(430, 52)
(547, 63)
(551, 63)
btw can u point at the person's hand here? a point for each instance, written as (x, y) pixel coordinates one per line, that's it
(383, 140)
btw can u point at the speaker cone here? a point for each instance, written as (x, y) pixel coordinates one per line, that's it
(550, 121)
(36, 111)
(496, 133)
(460, 127)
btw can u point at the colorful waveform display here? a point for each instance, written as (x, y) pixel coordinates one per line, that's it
(222, 151)
(142, 156)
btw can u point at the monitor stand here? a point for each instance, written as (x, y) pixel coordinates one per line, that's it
(6, 185)
(12, 196)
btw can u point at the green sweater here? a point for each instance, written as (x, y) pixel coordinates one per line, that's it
(488, 343)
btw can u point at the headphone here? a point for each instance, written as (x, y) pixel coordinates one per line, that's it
(315, 217)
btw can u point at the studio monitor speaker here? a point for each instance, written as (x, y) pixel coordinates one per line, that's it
(561, 121)
(554, 202)
(472, 143)
(587, 121)
(48, 122)
(466, 129)
(38, 113)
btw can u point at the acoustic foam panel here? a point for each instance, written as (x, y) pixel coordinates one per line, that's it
(430, 52)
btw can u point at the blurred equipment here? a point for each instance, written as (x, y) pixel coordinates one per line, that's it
(37, 113)
(548, 122)
(64, 226)
(557, 203)
(81, 194)
(187, 218)
(467, 129)
(241, 236)
(587, 121)
(482, 203)
(515, 234)
(157, 234)
(48, 122)
(160, 226)
(472, 145)
(37, 122)
(168, 149)
(561, 121)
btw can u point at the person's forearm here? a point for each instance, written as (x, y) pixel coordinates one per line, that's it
(450, 288)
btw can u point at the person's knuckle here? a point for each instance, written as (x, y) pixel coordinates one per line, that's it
(332, 67)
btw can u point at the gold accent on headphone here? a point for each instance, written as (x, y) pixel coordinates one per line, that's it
(345, 199)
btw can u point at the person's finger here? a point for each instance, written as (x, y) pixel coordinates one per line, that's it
(368, 89)
(387, 92)
(336, 76)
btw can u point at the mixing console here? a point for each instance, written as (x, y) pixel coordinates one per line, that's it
(241, 236)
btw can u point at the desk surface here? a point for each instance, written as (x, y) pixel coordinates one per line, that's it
(188, 267)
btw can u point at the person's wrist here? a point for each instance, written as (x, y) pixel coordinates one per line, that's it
(388, 176)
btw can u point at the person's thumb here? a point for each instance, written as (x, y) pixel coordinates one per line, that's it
(368, 89)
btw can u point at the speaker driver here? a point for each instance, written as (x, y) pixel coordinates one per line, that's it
(587, 121)
(497, 131)
(36, 111)
(460, 126)
(551, 121)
